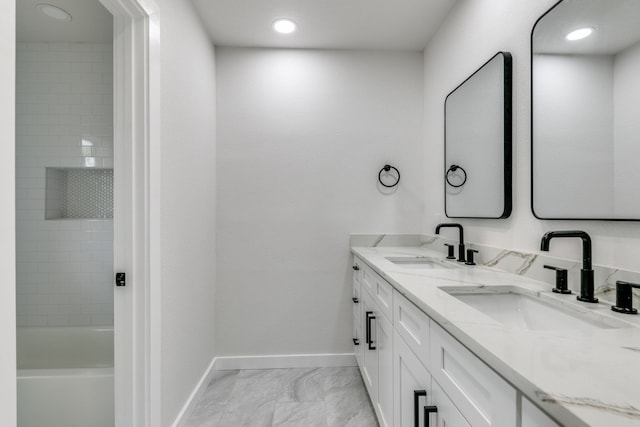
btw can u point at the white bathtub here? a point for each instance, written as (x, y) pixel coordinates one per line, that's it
(65, 377)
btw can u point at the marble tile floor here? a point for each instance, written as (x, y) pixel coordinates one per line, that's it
(301, 397)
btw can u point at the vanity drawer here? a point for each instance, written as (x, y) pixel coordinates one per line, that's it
(413, 326)
(379, 289)
(483, 398)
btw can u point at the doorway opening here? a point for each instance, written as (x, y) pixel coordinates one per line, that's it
(64, 214)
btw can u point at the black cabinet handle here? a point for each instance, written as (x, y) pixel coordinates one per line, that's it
(356, 341)
(429, 410)
(355, 267)
(370, 317)
(416, 400)
(355, 300)
(367, 334)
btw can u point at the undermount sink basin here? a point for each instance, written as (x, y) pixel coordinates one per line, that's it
(420, 262)
(515, 308)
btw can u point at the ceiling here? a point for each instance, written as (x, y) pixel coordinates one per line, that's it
(615, 22)
(325, 24)
(90, 23)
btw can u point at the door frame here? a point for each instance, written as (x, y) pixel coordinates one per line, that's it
(136, 53)
(8, 407)
(137, 209)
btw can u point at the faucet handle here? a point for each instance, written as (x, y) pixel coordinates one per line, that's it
(450, 254)
(624, 298)
(561, 280)
(470, 253)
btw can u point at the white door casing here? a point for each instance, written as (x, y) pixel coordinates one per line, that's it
(136, 211)
(7, 215)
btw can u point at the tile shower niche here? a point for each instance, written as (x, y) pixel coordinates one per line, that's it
(79, 193)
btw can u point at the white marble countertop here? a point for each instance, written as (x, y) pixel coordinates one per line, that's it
(581, 378)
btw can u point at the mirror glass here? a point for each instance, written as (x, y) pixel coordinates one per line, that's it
(477, 149)
(586, 111)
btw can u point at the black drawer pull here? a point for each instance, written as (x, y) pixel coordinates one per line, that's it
(370, 317)
(356, 268)
(356, 341)
(416, 399)
(429, 410)
(355, 300)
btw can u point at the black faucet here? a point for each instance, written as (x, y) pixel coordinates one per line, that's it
(461, 244)
(586, 274)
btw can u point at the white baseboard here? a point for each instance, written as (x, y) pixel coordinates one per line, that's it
(286, 361)
(190, 404)
(260, 362)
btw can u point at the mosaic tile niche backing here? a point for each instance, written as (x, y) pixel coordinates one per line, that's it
(79, 193)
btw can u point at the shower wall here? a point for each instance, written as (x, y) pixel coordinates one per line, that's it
(64, 120)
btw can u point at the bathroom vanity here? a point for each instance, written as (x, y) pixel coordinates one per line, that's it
(442, 343)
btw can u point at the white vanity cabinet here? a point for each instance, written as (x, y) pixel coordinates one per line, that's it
(377, 348)
(408, 362)
(369, 366)
(412, 385)
(414, 389)
(356, 301)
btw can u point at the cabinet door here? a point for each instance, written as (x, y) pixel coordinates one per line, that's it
(358, 343)
(369, 367)
(384, 346)
(357, 269)
(410, 379)
(447, 414)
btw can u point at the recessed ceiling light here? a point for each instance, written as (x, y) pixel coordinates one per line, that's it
(580, 33)
(284, 26)
(54, 12)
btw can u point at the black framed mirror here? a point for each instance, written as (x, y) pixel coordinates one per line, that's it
(585, 109)
(477, 149)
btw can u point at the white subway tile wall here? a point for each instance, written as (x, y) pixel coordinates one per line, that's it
(64, 119)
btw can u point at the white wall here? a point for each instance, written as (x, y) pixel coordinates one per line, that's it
(572, 163)
(188, 203)
(627, 130)
(301, 137)
(64, 118)
(475, 30)
(7, 216)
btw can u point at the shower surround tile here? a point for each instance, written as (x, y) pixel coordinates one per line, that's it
(64, 119)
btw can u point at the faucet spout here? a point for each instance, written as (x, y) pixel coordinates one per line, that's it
(586, 244)
(586, 273)
(461, 257)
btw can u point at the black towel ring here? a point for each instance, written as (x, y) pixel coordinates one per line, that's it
(454, 168)
(387, 168)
